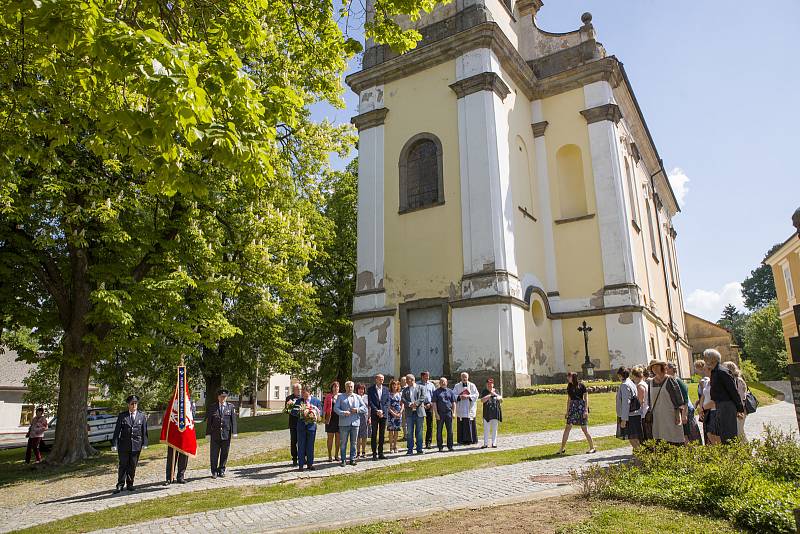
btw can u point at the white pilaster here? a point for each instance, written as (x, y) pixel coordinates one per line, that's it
(370, 222)
(610, 198)
(486, 203)
(545, 207)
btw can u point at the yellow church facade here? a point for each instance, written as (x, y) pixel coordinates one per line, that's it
(509, 190)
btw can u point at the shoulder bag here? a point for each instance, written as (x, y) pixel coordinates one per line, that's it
(647, 423)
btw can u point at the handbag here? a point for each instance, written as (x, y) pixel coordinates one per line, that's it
(647, 423)
(750, 403)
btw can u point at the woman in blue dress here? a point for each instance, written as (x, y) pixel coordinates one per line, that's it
(395, 420)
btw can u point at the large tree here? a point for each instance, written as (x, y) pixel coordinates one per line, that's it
(764, 344)
(758, 289)
(122, 125)
(734, 321)
(327, 342)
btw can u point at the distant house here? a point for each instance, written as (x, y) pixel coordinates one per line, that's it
(703, 334)
(15, 414)
(271, 397)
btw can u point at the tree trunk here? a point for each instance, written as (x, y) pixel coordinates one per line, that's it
(72, 440)
(213, 383)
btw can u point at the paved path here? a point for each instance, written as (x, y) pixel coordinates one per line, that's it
(515, 483)
(16, 517)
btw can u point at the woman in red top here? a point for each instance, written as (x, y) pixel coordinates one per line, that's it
(332, 420)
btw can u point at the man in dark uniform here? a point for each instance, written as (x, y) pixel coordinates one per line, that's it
(130, 437)
(293, 419)
(221, 427)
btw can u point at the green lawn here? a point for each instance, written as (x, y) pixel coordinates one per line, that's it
(622, 518)
(200, 501)
(604, 518)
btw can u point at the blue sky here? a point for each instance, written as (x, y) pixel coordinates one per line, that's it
(719, 85)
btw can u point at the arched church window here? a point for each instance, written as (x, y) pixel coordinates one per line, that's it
(571, 187)
(421, 177)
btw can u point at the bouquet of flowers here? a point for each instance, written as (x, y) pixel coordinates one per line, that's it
(309, 413)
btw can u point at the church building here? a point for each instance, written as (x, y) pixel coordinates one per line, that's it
(508, 191)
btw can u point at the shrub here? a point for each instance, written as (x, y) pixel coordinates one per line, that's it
(749, 371)
(754, 484)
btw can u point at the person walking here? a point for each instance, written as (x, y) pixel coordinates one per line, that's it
(443, 401)
(290, 404)
(424, 380)
(726, 399)
(378, 398)
(364, 423)
(466, 410)
(666, 404)
(35, 434)
(128, 440)
(221, 427)
(349, 406)
(414, 399)
(307, 428)
(395, 409)
(492, 413)
(741, 388)
(629, 420)
(577, 411)
(332, 421)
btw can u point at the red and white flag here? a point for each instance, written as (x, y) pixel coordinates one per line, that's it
(177, 428)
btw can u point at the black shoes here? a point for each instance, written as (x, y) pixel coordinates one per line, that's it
(300, 468)
(167, 482)
(374, 456)
(352, 462)
(381, 457)
(222, 473)
(117, 490)
(294, 462)
(213, 474)
(129, 488)
(181, 481)
(312, 468)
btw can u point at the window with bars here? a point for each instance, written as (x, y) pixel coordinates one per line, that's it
(421, 177)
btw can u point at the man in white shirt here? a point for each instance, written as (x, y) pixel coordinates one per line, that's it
(466, 410)
(429, 411)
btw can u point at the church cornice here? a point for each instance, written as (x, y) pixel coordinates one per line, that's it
(370, 119)
(606, 112)
(484, 35)
(484, 81)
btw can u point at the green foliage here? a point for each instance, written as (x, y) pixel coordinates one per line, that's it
(42, 385)
(155, 160)
(755, 485)
(328, 339)
(758, 289)
(749, 371)
(734, 321)
(764, 344)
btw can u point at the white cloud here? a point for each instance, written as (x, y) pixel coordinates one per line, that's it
(678, 181)
(709, 304)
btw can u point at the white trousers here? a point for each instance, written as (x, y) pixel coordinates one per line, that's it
(490, 426)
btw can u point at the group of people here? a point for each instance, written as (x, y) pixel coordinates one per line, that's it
(722, 404)
(360, 414)
(130, 438)
(363, 413)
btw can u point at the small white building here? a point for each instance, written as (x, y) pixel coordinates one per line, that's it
(15, 414)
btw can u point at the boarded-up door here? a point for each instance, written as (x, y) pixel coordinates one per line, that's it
(425, 336)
